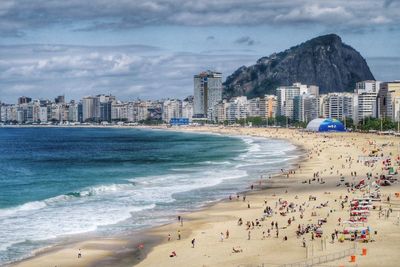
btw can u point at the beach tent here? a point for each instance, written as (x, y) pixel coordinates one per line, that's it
(325, 125)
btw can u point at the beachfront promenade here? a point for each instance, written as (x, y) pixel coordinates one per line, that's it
(312, 211)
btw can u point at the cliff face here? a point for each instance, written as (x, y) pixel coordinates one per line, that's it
(324, 61)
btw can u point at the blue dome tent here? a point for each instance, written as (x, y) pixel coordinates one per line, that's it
(325, 125)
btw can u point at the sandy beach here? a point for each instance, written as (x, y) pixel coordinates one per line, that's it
(297, 201)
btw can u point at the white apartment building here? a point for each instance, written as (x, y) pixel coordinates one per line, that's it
(172, 108)
(187, 110)
(73, 112)
(237, 109)
(43, 114)
(6, 113)
(368, 86)
(389, 101)
(119, 111)
(337, 106)
(365, 100)
(255, 109)
(220, 111)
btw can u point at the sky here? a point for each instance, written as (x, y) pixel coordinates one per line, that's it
(151, 49)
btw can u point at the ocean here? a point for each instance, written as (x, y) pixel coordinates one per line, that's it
(58, 182)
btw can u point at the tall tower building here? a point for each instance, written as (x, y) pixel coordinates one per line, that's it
(88, 108)
(207, 93)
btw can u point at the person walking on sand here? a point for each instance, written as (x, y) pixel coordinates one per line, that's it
(227, 234)
(193, 240)
(169, 237)
(179, 234)
(222, 237)
(79, 254)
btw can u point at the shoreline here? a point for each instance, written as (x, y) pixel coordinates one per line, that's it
(275, 185)
(196, 220)
(130, 246)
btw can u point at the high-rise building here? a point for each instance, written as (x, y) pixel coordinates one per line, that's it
(221, 111)
(305, 107)
(207, 93)
(105, 111)
(56, 112)
(298, 102)
(307, 89)
(237, 109)
(337, 106)
(285, 97)
(73, 112)
(119, 111)
(368, 86)
(388, 101)
(43, 114)
(268, 106)
(187, 109)
(88, 108)
(4, 110)
(97, 108)
(154, 110)
(365, 99)
(24, 100)
(255, 108)
(80, 112)
(323, 109)
(59, 99)
(172, 108)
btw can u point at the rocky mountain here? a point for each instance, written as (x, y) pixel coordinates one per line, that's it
(324, 61)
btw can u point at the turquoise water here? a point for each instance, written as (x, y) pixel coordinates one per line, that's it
(56, 182)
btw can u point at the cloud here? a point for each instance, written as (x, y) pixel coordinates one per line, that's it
(20, 16)
(128, 72)
(245, 40)
(387, 3)
(312, 13)
(210, 38)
